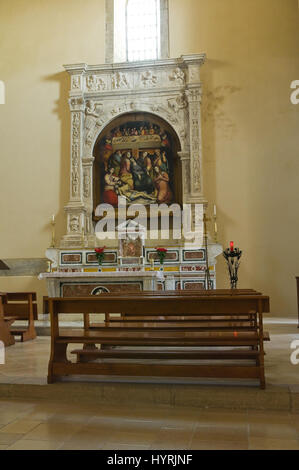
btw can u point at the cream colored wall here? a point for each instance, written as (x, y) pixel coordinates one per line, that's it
(250, 132)
(250, 128)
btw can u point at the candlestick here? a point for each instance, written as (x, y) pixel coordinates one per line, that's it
(215, 225)
(83, 237)
(232, 256)
(53, 223)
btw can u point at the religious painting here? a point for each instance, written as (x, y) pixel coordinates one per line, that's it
(135, 159)
(130, 248)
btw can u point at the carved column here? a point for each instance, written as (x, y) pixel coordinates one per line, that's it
(186, 177)
(75, 210)
(87, 165)
(194, 99)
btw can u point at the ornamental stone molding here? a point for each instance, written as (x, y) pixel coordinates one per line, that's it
(168, 88)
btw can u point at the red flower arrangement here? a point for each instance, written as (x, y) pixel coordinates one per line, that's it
(100, 254)
(161, 252)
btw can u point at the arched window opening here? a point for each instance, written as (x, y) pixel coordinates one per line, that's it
(142, 30)
(136, 30)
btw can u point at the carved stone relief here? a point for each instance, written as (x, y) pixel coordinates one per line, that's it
(119, 81)
(178, 76)
(74, 224)
(86, 184)
(171, 89)
(75, 153)
(95, 83)
(76, 82)
(149, 79)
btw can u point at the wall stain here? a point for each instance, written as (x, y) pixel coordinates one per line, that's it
(214, 106)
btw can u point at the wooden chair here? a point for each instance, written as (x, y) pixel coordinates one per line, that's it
(189, 327)
(21, 306)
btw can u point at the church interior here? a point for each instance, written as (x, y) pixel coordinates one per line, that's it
(149, 275)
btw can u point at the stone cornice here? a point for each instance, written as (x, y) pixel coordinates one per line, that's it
(183, 61)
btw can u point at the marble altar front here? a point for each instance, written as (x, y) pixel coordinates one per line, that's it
(76, 284)
(76, 272)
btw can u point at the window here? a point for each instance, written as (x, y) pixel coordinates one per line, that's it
(143, 29)
(136, 30)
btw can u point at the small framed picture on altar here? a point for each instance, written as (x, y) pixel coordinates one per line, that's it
(130, 248)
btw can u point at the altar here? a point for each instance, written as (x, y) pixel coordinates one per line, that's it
(76, 273)
(136, 135)
(70, 284)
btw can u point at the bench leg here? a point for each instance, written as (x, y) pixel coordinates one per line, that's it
(5, 336)
(28, 335)
(262, 379)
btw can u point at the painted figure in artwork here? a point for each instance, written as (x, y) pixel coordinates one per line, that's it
(164, 193)
(125, 171)
(110, 190)
(115, 162)
(137, 163)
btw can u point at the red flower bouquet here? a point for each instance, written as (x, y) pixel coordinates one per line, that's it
(161, 252)
(100, 254)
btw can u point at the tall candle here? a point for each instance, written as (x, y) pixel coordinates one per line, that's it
(215, 210)
(53, 218)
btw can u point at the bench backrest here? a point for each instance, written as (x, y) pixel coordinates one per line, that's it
(17, 304)
(164, 304)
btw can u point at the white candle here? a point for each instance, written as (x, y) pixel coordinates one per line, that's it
(53, 218)
(215, 210)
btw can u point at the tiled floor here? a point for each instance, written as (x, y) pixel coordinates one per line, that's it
(49, 426)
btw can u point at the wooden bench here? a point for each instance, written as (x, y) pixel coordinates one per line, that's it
(5, 323)
(201, 326)
(21, 306)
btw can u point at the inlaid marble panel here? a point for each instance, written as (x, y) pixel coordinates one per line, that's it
(84, 290)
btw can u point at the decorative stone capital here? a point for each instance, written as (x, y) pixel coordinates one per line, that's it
(194, 95)
(77, 104)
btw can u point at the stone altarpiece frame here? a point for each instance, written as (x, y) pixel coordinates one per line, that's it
(168, 89)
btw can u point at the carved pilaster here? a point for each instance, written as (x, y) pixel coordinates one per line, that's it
(76, 210)
(194, 99)
(77, 107)
(87, 164)
(186, 177)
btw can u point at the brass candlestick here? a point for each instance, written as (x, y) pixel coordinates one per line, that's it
(207, 270)
(83, 237)
(53, 223)
(215, 225)
(49, 269)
